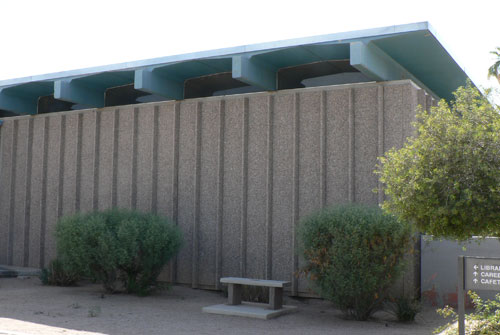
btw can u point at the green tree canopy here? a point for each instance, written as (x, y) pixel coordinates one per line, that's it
(446, 179)
(494, 70)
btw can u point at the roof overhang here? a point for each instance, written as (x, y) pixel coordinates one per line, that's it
(410, 51)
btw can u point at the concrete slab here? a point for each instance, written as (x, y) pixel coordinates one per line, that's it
(249, 310)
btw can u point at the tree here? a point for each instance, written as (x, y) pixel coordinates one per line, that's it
(446, 179)
(494, 70)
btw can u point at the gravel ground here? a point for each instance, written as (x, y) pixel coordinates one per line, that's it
(27, 307)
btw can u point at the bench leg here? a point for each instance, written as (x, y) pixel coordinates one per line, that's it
(275, 297)
(234, 294)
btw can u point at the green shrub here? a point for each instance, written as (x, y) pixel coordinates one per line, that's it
(484, 321)
(118, 246)
(353, 256)
(57, 274)
(405, 308)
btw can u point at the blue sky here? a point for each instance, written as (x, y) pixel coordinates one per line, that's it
(51, 36)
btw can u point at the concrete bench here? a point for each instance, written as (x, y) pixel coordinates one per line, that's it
(275, 290)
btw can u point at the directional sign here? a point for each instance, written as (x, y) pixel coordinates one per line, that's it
(482, 274)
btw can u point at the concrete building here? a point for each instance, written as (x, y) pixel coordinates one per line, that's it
(236, 145)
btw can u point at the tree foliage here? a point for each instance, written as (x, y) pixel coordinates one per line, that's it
(446, 179)
(494, 70)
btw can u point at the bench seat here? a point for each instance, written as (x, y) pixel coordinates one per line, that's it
(254, 282)
(275, 290)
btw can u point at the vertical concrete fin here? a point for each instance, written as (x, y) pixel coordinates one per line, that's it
(413, 105)
(53, 187)
(351, 146)
(79, 139)
(6, 157)
(403, 117)
(233, 149)
(244, 189)
(175, 159)
(19, 214)
(27, 200)
(197, 181)
(175, 181)
(145, 152)
(429, 101)
(135, 141)
(43, 204)
(269, 181)
(154, 190)
(295, 190)
(69, 191)
(62, 150)
(380, 124)
(208, 202)
(13, 177)
(86, 160)
(127, 161)
(220, 196)
(35, 191)
(97, 154)
(105, 158)
(422, 99)
(114, 184)
(323, 151)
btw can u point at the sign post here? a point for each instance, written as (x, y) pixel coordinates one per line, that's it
(476, 274)
(461, 296)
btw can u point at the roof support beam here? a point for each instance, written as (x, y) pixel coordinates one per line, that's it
(149, 81)
(377, 65)
(17, 104)
(252, 72)
(72, 91)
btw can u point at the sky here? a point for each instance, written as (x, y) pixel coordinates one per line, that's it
(51, 36)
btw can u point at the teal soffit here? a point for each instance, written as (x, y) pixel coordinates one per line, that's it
(411, 51)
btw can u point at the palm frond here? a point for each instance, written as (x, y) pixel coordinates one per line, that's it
(494, 70)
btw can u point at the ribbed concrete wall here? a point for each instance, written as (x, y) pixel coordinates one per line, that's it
(236, 173)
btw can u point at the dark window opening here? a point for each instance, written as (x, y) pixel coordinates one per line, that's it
(336, 79)
(216, 85)
(332, 72)
(128, 95)
(4, 113)
(48, 104)
(151, 98)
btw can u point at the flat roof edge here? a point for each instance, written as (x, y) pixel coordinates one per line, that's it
(226, 52)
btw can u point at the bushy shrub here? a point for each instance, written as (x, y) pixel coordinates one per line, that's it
(354, 254)
(405, 308)
(485, 320)
(56, 273)
(116, 246)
